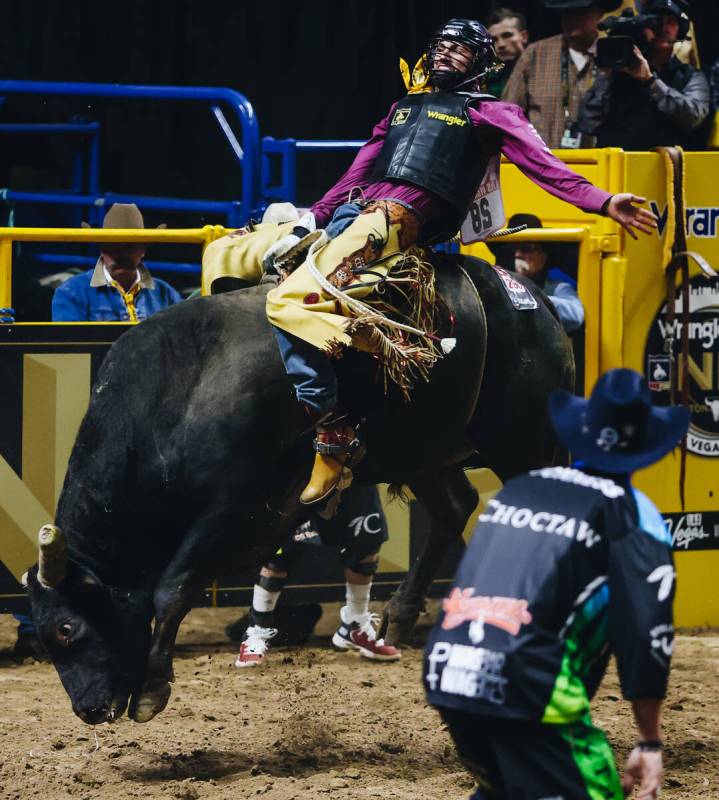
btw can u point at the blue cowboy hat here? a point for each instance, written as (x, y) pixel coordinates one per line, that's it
(617, 430)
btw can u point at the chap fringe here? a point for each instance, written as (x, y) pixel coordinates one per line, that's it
(407, 295)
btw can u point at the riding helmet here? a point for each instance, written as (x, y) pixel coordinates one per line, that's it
(471, 34)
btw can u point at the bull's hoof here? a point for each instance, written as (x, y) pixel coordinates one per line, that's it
(396, 629)
(399, 631)
(150, 702)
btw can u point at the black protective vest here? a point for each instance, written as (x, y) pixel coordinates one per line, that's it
(431, 143)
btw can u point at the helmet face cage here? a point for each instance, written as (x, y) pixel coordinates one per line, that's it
(473, 36)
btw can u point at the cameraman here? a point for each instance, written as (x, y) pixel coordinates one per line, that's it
(656, 100)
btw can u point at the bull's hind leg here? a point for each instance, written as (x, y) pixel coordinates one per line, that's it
(449, 499)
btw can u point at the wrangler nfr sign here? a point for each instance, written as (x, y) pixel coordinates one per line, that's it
(664, 357)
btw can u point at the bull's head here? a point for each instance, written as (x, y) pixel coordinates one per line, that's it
(97, 636)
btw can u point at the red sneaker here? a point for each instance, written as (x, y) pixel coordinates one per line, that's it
(254, 647)
(359, 633)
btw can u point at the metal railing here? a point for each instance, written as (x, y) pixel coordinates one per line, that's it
(279, 162)
(202, 236)
(83, 174)
(246, 149)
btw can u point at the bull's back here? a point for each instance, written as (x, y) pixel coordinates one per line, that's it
(528, 357)
(175, 404)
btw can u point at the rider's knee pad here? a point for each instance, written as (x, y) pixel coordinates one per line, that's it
(356, 563)
(271, 583)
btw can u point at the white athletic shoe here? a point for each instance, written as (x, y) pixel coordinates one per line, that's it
(254, 647)
(359, 633)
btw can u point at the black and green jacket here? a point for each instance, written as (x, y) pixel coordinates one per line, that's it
(563, 569)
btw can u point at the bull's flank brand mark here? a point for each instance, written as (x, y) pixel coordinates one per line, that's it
(401, 115)
(448, 119)
(507, 613)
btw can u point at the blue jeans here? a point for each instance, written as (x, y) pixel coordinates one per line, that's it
(310, 370)
(343, 217)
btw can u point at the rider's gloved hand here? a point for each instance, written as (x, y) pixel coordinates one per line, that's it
(644, 769)
(305, 225)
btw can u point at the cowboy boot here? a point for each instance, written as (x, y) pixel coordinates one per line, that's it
(337, 449)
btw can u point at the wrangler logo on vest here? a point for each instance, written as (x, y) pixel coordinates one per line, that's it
(401, 115)
(449, 119)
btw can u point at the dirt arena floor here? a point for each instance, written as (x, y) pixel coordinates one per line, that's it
(311, 723)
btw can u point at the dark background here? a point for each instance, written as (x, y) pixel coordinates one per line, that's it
(319, 69)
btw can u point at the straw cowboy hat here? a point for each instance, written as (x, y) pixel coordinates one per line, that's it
(124, 216)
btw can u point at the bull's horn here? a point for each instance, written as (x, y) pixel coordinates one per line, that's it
(53, 556)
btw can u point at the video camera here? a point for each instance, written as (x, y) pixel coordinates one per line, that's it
(616, 50)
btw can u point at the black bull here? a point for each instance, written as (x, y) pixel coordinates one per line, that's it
(193, 451)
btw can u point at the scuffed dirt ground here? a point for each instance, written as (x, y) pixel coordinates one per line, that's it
(311, 723)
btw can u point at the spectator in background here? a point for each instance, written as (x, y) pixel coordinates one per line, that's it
(509, 33)
(657, 100)
(534, 260)
(119, 288)
(553, 74)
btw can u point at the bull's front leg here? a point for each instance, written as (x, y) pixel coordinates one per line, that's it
(449, 498)
(172, 603)
(193, 565)
(213, 541)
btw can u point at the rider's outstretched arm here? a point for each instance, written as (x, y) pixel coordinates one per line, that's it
(524, 147)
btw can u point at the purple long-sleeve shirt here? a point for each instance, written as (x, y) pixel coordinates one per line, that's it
(520, 143)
